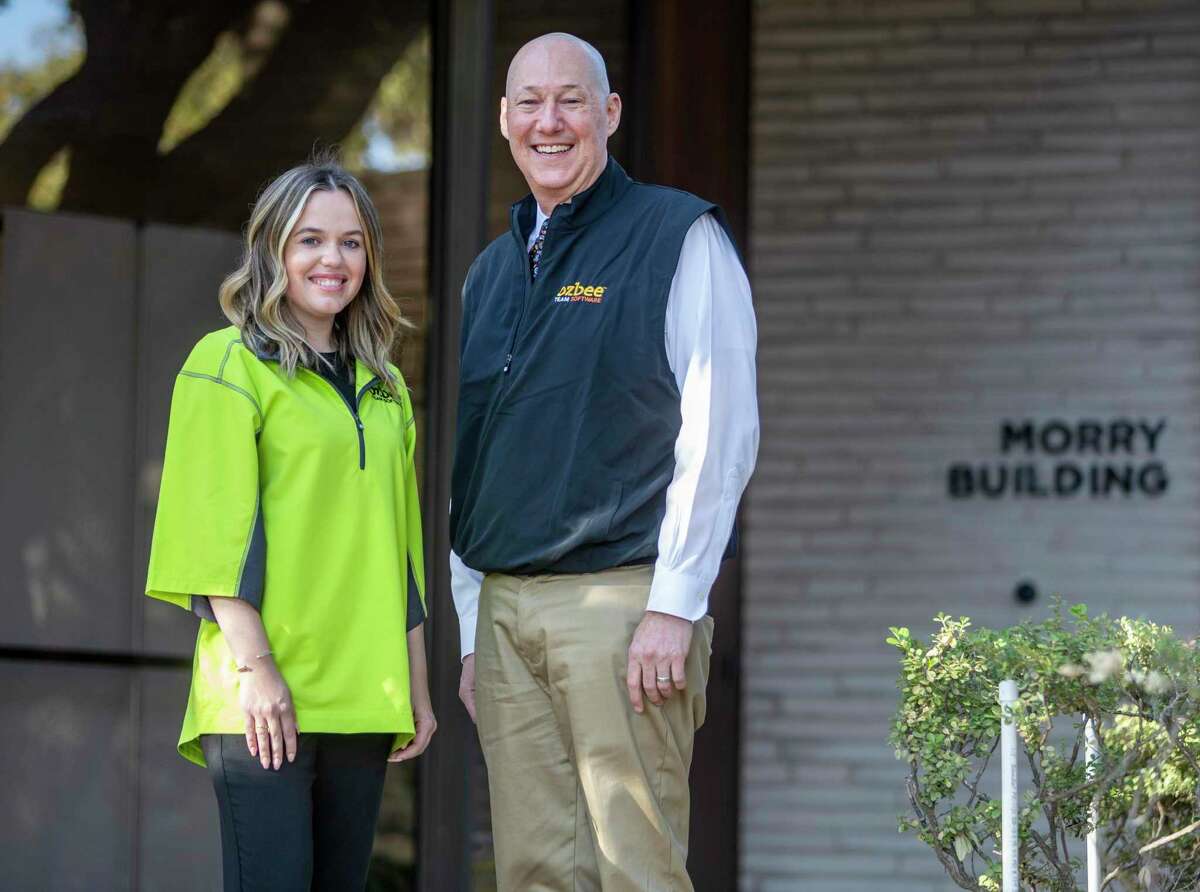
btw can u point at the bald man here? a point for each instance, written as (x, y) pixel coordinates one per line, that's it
(607, 426)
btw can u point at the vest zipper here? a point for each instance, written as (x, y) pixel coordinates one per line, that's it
(512, 344)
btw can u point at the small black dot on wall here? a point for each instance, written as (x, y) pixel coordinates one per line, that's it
(1025, 592)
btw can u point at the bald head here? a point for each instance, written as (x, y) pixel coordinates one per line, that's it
(557, 114)
(542, 50)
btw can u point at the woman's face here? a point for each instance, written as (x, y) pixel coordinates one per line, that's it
(325, 259)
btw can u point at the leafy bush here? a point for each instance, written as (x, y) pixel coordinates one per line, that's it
(1136, 681)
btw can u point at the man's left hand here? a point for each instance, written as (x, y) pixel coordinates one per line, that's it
(657, 658)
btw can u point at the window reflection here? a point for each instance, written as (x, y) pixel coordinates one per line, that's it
(41, 45)
(67, 137)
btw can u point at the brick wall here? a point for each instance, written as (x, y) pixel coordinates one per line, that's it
(402, 200)
(963, 211)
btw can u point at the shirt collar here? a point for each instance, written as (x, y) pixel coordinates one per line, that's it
(588, 205)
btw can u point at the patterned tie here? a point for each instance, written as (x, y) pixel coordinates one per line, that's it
(535, 252)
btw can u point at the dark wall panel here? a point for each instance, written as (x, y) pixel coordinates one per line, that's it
(66, 430)
(706, 154)
(66, 773)
(462, 38)
(179, 845)
(181, 269)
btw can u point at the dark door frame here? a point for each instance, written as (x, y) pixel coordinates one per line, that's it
(690, 128)
(462, 72)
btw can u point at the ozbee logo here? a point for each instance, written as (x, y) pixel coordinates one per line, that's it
(381, 393)
(580, 293)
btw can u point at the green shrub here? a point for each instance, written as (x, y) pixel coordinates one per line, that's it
(1136, 681)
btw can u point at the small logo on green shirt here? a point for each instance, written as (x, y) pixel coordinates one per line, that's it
(381, 393)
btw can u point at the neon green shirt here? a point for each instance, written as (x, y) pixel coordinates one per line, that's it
(277, 491)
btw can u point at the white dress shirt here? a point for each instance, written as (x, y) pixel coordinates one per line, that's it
(710, 341)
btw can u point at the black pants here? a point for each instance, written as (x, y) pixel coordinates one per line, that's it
(308, 825)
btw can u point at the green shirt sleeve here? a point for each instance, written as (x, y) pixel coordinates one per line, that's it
(208, 533)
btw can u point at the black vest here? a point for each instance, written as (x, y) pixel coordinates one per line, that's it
(568, 410)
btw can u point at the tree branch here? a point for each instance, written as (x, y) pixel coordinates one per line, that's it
(314, 88)
(111, 112)
(929, 821)
(1164, 840)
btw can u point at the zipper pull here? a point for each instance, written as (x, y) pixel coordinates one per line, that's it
(507, 363)
(358, 423)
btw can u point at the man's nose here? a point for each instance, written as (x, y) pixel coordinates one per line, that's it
(548, 120)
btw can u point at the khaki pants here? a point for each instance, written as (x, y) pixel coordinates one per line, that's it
(586, 794)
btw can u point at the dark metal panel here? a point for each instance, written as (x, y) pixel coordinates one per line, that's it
(67, 316)
(694, 133)
(463, 116)
(178, 839)
(181, 269)
(66, 773)
(689, 131)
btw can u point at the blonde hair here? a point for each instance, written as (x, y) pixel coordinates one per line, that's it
(254, 296)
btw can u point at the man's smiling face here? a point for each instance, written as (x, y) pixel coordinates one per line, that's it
(557, 117)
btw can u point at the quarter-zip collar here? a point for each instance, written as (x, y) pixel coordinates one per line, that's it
(364, 377)
(582, 209)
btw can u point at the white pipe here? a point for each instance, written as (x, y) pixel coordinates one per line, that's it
(1008, 789)
(1094, 872)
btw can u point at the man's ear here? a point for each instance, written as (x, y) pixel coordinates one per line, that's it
(504, 116)
(613, 111)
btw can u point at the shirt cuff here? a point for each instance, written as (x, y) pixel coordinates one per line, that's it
(466, 631)
(678, 594)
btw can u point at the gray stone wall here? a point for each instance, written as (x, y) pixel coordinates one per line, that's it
(964, 211)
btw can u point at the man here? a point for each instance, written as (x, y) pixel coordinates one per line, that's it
(607, 426)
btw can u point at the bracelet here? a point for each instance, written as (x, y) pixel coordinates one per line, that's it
(248, 668)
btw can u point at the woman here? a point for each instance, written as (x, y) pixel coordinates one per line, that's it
(288, 520)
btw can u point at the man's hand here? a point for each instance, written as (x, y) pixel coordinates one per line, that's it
(466, 685)
(656, 658)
